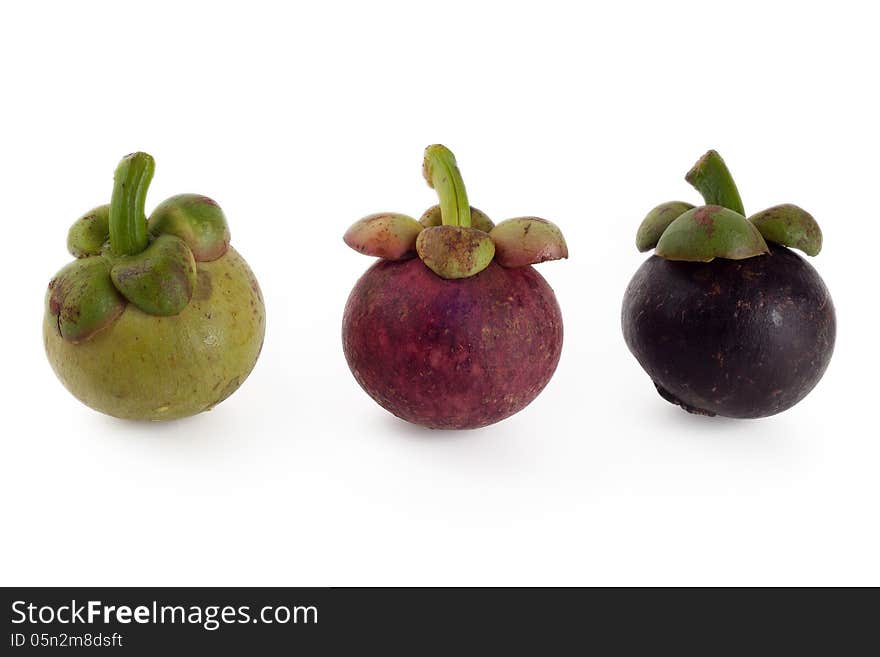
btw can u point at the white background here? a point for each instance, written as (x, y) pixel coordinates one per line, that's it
(299, 119)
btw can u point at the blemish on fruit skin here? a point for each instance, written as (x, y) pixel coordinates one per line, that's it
(703, 217)
(204, 285)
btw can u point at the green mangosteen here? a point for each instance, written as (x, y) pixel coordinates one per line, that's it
(155, 319)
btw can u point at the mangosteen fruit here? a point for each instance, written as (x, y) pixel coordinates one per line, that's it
(725, 318)
(157, 318)
(452, 328)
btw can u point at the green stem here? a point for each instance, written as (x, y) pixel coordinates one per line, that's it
(443, 175)
(712, 179)
(128, 223)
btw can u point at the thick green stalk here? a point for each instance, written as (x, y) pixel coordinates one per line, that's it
(712, 179)
(442, 174)
(128, 222)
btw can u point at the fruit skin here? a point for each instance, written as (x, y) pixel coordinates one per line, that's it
(146, 367)
(739, 338)
(452, 354)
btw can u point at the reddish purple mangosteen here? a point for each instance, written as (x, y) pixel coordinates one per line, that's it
(452, 328)
(724, 317)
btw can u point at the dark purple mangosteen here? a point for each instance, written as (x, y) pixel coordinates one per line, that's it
(453, 328)
(724, 317)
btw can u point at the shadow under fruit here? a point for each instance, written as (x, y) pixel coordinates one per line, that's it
(725, 318)
(156, 319)
(452, 328)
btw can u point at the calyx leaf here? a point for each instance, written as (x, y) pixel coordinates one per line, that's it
(83, 298)
(657, 221)
(708, 232)
(526, 241)
(479, 220)
(789, 225)
(455, 251)
(88, 234)
(195, 219)
(160, 280)
(386, 235)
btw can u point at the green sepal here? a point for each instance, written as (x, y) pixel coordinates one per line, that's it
(479, 220)
(526, 241)
(83, 298)
(708, 232)
(195, 219)
(160, 280)
(89, 235)
(455, 251)
(658, 220)
(789, 225)
(387, 235)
